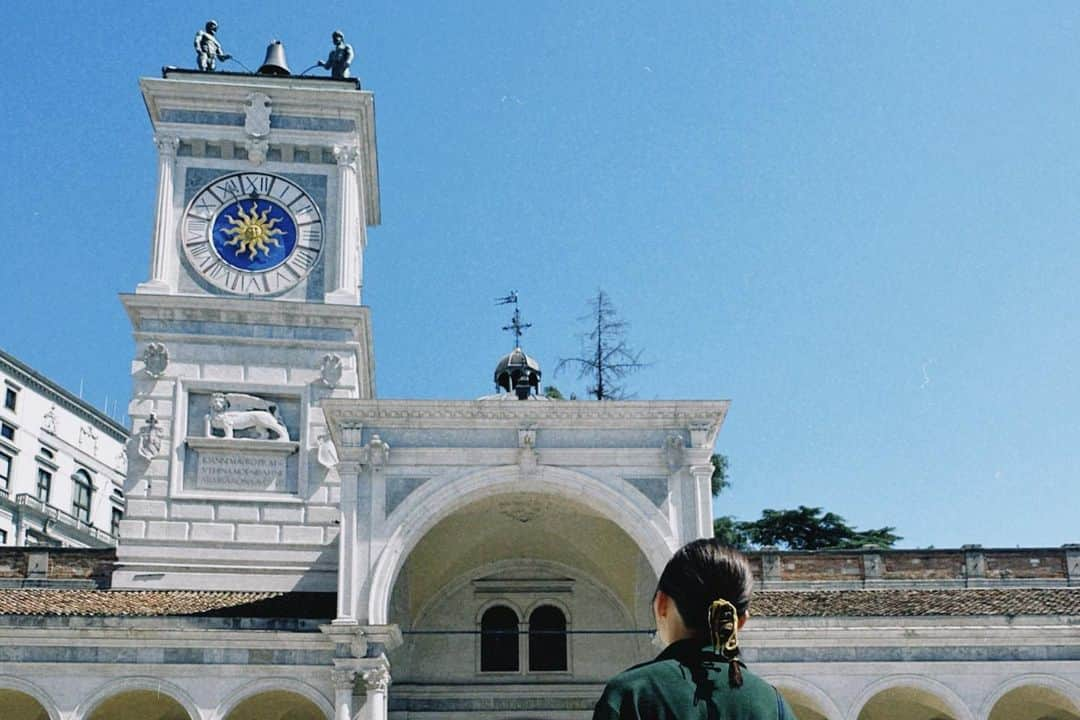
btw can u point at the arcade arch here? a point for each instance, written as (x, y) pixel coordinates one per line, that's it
(276, 705)
(275, 699)
(911, 698)
(427, 512)
(139, 705)
(1035, 697)
(808, 701)
(18, 704)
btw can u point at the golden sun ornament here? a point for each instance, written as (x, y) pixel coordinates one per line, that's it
(253, 233)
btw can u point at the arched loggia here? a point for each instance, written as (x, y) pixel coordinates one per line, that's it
(425, 508)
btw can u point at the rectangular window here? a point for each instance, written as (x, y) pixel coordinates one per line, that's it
(3, 537)
(11, 397)
(80, 504)
(5, 471)
(117, 516)
(44, 485)
(7, 432)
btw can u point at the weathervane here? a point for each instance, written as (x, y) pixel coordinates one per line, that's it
(516, 326)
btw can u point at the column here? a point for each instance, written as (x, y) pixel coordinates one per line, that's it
(161, 257)
(701, 483)
(344, 684)
(377, 683)
(348, 553)
(344, 286)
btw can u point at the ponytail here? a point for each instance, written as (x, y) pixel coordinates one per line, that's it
(723, 624)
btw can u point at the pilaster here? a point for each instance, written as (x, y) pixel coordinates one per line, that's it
(345, 288)
(349, 576)
(701, 479)
(162, 256)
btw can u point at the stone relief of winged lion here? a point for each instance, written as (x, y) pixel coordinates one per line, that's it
(236, 411)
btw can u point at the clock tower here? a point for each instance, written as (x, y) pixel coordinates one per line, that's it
(251, 316)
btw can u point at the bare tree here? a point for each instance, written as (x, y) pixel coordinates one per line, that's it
(605, 357)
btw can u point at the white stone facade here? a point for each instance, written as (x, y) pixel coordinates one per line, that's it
(62, 464)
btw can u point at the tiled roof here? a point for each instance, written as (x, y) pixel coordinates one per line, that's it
(770, 603)
(910, 603)
(121, 602)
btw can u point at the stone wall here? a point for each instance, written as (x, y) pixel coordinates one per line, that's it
(968, 566)
(56, 567)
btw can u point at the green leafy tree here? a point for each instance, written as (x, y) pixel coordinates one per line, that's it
(606, 357)
(720, 480)
(729, 531)
(807, 528)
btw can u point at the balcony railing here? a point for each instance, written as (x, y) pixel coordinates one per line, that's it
(60, 516)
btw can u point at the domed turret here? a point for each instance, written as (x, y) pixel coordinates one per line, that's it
(518, 373)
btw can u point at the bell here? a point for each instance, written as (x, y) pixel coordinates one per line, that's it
(275, 61)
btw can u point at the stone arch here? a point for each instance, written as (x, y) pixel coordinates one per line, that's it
(154, 687)
(647, 528)
(805, 697)
(939, 699)
(1057, 696)
(272, 687)
(497, 602)
(19, 687)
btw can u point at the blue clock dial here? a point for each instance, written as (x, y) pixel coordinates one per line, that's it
(252, 233)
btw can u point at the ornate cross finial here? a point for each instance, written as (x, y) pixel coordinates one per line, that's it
(516, 325)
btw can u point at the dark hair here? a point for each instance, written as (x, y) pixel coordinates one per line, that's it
(710, 584)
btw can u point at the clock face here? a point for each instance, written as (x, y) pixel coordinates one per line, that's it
(252, 233)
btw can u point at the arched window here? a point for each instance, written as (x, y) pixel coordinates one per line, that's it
(547, 639)
(80, 495)
(499, 640)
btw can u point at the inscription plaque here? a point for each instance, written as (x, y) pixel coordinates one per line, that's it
(240, 465)
(240, 471)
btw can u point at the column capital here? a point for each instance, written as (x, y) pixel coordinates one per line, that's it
(699, 471)
(167, 144)
(346, 154)
(377, 679)
(343, 678)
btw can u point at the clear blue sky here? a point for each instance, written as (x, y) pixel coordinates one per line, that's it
(858, 221)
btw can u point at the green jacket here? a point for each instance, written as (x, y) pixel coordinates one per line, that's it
(686, 682)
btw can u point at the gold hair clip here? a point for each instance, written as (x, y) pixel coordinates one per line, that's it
(723, 621)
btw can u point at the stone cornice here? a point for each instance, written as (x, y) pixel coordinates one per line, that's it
(186, 308)
(706, 415)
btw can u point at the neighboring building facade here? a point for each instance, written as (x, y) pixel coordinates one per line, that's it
(62, 464)
(294, 545)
